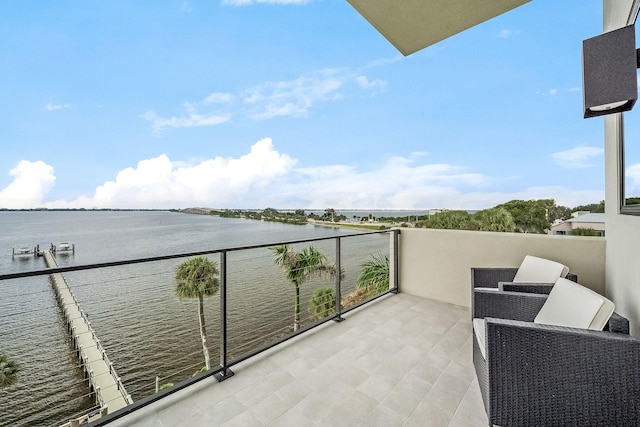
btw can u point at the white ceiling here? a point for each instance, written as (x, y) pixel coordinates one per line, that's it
(411, 25)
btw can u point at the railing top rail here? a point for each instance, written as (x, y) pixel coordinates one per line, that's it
(45, 271)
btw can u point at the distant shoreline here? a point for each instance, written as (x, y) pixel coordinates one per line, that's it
(87, 210)
(202, 210)
(373, 227)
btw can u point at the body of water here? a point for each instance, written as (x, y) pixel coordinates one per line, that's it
(145, 329)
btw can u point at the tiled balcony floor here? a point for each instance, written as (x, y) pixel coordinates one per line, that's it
(399, 361)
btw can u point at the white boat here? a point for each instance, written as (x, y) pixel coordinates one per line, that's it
(64, 247)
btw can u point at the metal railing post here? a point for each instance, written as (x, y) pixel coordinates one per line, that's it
(226, 372)
(396, 257)
(338, 317)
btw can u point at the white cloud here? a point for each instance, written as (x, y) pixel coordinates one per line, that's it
(399, 183)
(193, 117)
(555, 91)
(160, 182)
(53, 107)
(271, 99)
(550, 92)
(266, 177)
(383, 61)
(578, 157)
(159, 124)
(294, 97)
(365, 83)
(31, 181)
(505, 34)
(218, 98)
(632, 179)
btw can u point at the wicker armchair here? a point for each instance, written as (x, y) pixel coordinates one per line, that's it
(535, 275)
(502, 278)
(542, 375)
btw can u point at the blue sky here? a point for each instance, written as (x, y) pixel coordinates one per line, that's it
(290, 104)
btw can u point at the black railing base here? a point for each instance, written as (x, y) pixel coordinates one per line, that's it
(338, 318)
(224, 374)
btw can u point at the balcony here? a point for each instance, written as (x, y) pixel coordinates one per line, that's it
(398, 359)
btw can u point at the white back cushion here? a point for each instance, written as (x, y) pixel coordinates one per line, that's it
(539, 270)
(603, 315)
(570, 304)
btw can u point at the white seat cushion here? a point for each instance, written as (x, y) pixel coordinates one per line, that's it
(480, 331)
(539, 270)
(570, 304)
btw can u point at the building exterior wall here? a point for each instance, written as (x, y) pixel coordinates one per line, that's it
(623, 231)
(563, 228)
(567, 226)
(437, 264)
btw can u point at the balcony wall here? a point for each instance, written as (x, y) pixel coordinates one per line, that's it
(623, 231)
(436, 264)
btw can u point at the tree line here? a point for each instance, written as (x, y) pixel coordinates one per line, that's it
(519, 216)
(299, 216)
(516, 216)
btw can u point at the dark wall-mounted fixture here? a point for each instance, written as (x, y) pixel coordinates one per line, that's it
(609, 72)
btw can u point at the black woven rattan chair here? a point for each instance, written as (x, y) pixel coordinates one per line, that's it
(542, 375)
(502, 278)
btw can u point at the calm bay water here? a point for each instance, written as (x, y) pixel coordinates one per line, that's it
(144, 328)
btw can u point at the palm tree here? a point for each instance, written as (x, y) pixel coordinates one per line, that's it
(323, 303)
(198, 278)
(374, 275)
(299, 267)
(8, 371)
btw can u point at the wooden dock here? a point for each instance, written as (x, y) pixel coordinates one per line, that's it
(102, 377)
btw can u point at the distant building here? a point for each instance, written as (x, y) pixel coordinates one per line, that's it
(436, 211)
(594, 221)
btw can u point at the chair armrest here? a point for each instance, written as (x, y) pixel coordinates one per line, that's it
(533, 288)
(489, 277)
(506, 305)
(617, 324)
(551, 375)
(573, 277)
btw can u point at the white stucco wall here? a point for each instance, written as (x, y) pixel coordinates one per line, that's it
(623, 231)
(437, 264)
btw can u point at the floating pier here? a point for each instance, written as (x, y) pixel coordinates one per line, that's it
(99, 371)
(35, 251)
(24, 250)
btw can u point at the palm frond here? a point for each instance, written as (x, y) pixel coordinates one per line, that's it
(8, 371)
(374, 275)
(323, 303)
(197, 277)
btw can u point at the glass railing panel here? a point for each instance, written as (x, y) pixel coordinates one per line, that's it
(128, 314)
(49, 384)
(359, 254)
(149, 334)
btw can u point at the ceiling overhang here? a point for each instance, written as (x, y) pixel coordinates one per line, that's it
(411, 25)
